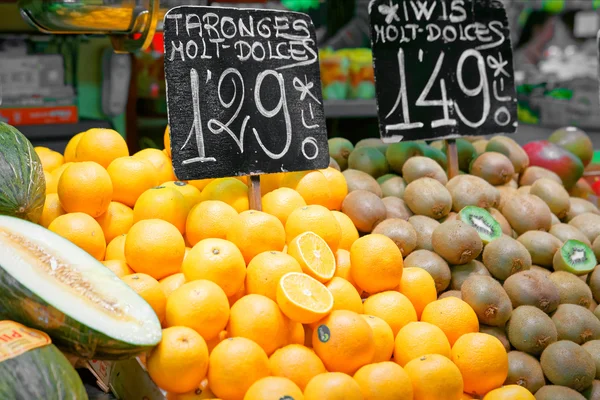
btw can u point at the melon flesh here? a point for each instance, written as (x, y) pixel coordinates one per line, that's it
(48, 283)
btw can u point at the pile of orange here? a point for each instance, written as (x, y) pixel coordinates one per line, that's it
(284, 303)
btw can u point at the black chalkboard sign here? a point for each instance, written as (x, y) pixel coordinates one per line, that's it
(443, 68)
(243, 92)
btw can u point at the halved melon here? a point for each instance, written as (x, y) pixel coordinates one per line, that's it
(48, 283)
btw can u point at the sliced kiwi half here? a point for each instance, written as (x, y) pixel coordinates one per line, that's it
(479, 218)
(575, 257)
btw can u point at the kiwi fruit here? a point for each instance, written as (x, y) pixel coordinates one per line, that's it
(588, 224)
(524, 190)
(505, 256)
(555, 220)
(450, 293)
(541, 246)
(423, 167)
(358, 180)
(480, 146)
(398, 153)
(553, 194)
(437, 144)
(524, 370)
(593, 282)
(469, 190)
(593, 348)
(427, 196)
(567, 364)
(529, 329)
(488, 299)
(497, 332)
(592, 306)
(532, 289)
(576, 323)
(504, 225)
(424, 226)
(506, 192)
(527, 213)
(571, 289)
(533, 173)
(465, 151)
(397, 208)
(555, 392)
(333, 164)
(450, 217)
(511, 149)
(434, 264)
(540, 270)
(369, 160)
(457, 242)
(580, 206)
(435, 154)
(365, 209)
(401, 232)
(479, 218)
(596, 247)
(575, 257)
(566, 232)
(460, 273)
(493, 167)
(339, 150)
(581, 189)
(391, 185)
(593, 392)
(372, 142)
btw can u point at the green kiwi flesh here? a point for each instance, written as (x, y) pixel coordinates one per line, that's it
(567, 364)
(460, 273)
(555, 392)
(576, 323)
(533, 289)
(498, 332)
(505, 256)
(574, 257)
(593, 348)
(524, 370)
(479, 218)
(571, 289)
(488, 299)
(542, 246)
(434, 264)
(530, 330)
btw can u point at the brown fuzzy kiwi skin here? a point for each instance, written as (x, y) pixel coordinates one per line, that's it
(426, 196)
(580, 206)
(470, 190)
(596, 247)
(424, 226)
(505, 194)
(365, 209)
(556, 392)
(393, 187)
(524, 370)
(359, 180)
(533, 173)
(401, 232)
(554, 195)
(593, 392)
(488, 299)
(566, 232)
(540, 270)
(593, 282)
(576, 323)
(451, 293)
(541, 246)
(423, 167)
(498, 332)
(555, 220)
(571, 289)
(457, 242)
(510, 149)
(527, 213)
(506, 228)
(460, 273)
(524, 190)
(559, 264)
(593, 348)
(434, 264)
(493, 167)
(567, 364)
(530, 330)
(396, 208)
(588, 224)
(533, 289)
(505, 256)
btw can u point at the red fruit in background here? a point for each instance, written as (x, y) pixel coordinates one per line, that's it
(553, 157)
(583, 187)
(596, 187)
(576, 141)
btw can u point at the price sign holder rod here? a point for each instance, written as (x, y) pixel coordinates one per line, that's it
(254, 198)
(452, 155)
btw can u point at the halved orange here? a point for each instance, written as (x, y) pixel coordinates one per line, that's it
(314, 255)
(302, 298)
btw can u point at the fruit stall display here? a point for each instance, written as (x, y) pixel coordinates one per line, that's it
(376, 278)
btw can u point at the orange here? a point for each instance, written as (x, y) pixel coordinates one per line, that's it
(131, 176)
(270, 182)
(85, 187)
(510, 392)
(216, 340)
(161, 162)
(419, 287)
(384, 381)
(314, 256)
(216, 260)
(349, 231)
(180, 361)
(56, 177)
(254, 232)
(209, 219)
(342, 267)
(162, 203)
(187, 251)
(71, 147)
(189, 192)
(154, 247)
(236, 296)
(101, 146)
(434, 377)
(115, 250)
(344, 342)
(149, 289)
(51, 210)
(482, 361)
(116, 221)
(308, 332)
(345, 296)
(316, 219)
(200, 184)
(229, 190)
(466, 396)
(302, 298)
(167, 140)
(453, 316)
(171, 283)
(50, 159)
(259, 319)
(337, 187)
(200, 393)
(417, 339)
(50, 186)
(274, 388)
(119, 267)
(235, 364)
(376, 263)
(281, 202)
(200, 305)
(266, 269)
(313, 186)
(332, 386)
(82, 230)
(297, 363)
(296, 332)
(392, 307)
(383, 336)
